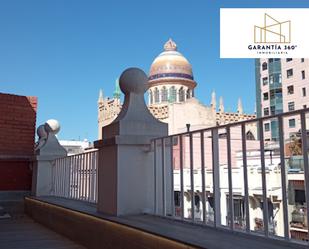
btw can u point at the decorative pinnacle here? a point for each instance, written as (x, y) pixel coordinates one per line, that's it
(170, 45)
(221, 106)
(239, 106)
(117, 92)
(100, 100)
(213, 100)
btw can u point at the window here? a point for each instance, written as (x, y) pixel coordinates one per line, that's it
(267, 127)
(277, 59)
(304, 106)
(290, 89)
(188, 94)
(156, 95)
(266, 111)
(270, 60)
(304, 91)
(302, 59)
(177, 198)
(289, 59)
(292, 123)
(181, 95)
(265, 96)
(264, 66)
(272, 94)
(300, 197)
(239, 207)
(275, 78)
(303, 75)
(250, 136)
(197, 202)
(175, 140)
(289, 73)
(163, 94)
(265, 81)
(172, 93)
(239, 210)
(150, 97)
(271, 79)
(272, 110)
(291, 106)
(279, 77)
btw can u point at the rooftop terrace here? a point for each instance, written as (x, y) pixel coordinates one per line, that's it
(213, 188)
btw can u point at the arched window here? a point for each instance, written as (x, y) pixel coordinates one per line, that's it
(250, 136)
(264, 66)
(197, 200)
(163, 94)
(172, 93)
(150, 97)
(188, 94)
(156, 95)
(181, 95)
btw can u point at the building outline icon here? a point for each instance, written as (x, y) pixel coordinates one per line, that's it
(273, 28)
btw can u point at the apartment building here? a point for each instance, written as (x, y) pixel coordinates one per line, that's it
(281, 86)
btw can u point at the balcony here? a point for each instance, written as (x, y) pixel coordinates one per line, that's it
(296, 164)
(299, 218)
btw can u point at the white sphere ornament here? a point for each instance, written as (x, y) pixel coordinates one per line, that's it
(52, 125)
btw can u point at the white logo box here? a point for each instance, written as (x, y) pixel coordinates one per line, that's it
(264, 33)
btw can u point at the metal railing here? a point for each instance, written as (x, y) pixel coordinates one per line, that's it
(75, 177)
(209, 167)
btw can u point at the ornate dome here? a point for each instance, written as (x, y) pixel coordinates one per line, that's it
(171, 65)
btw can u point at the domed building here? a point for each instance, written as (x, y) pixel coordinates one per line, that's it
(171, 87)
(170, 77)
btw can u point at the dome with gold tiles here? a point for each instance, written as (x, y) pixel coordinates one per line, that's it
(170, 78)
(171, 66)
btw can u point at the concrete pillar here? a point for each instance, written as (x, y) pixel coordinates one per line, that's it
(125, 169)
(47, 150)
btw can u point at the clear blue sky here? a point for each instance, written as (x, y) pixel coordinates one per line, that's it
(64, 51)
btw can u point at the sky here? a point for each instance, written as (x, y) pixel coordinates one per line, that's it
(65, 51)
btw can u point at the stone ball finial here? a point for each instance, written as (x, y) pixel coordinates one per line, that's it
(133, 80)
(41, 131)
(52, 126)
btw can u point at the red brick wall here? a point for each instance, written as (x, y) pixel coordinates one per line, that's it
(17, 136)
(15, 175)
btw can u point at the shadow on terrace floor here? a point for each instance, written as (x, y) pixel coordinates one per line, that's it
(181, 233)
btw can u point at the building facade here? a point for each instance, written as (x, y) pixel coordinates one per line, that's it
(171, 88)
(281, 86)
(74, 147)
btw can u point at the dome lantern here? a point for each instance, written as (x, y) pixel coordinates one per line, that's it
(170, 45)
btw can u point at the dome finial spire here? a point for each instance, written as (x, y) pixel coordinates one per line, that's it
(170, 45)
